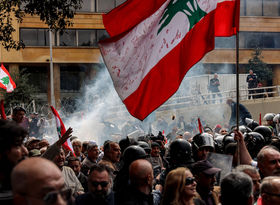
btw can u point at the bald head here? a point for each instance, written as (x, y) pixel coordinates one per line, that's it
(37, 177)
(139, 170)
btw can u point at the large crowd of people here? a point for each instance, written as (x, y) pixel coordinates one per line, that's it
(172, 168)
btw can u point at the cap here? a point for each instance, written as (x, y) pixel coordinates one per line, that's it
(155, 144)
(206, 167)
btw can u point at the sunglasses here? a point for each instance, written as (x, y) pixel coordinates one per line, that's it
(102, 184)
(189, 180)
(51, 197)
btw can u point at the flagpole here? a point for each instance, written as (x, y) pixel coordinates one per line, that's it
(51, 70)
(237, 93)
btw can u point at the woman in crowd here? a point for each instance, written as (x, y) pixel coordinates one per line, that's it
(180, 188)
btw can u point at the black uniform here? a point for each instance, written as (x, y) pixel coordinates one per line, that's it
(214, 88)
(252, 84)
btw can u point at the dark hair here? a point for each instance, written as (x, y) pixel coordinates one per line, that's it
(236, 184)
(73, 159)
(11, 135)
(18, 109)
(101, 168)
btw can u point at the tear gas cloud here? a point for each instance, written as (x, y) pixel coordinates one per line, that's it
(101, 115)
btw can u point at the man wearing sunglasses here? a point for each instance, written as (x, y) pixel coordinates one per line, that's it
(270, 191)
(38, 181)
(99, 186)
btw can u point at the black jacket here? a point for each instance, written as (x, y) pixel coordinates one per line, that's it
(89, 199)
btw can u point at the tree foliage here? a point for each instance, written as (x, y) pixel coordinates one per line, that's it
(260, 68)
(57, 14)
(23, 91)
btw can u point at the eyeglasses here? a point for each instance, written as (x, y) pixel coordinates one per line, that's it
(272, 194)
(189, 180)
(103, 183)
(51, 197)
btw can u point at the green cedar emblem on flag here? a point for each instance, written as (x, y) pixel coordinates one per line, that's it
(188, 7)
(5, 80)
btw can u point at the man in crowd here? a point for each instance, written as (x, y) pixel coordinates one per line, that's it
(100, 187)
(112, 154)
(243, 113)
(252, 83)
(75, 165)
(12, 151)
(204, 173)
(214, 87)
(71, 181)
(236, 188)
(141, 184)
(77, 146)
(255, 176)
(91, 159)
(155, 158)
(270, 189)
(269, 161)
(41, 183)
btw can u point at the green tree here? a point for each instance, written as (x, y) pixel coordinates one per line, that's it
(260, 68)
(23, 93)
(57, 14)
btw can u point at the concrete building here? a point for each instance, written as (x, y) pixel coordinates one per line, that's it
(76, 57)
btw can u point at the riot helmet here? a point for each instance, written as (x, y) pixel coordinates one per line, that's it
(265, 131)
(203, 140)
(133, 153)
(254, 142)
(145, 146)
(252, 124)
(244, 129)
(180, 152)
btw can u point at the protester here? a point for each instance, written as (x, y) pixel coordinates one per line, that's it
(77, 146)
(91, 159)
(75, 165)
(204, 173)
(141, 184)
(70, 179)
(270, 188)
(155, 158)
(243, 113)
(236, 188)
(100, 184)
(12, 151)
(112, 154)
(255, 176)
(180, 188)
(37, 181)
(269, 161)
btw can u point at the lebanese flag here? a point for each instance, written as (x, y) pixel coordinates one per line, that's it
(154, 43)
(6, 82)
(61, 130)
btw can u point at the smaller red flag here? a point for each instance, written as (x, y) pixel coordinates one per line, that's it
(200, 126)
(2, 110)
(260, 119)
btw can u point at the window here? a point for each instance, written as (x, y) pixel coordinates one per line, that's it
(34, 37)
(259, 7)
(88, 6)
(250, 40)
(38, 77)
(71, 78)
(87, 38)
(105, 6)
(68, 38)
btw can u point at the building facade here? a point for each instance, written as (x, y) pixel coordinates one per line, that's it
(76, 57)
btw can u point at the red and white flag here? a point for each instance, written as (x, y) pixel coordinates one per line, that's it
(61, 130)
(6, 82)
(154, 43)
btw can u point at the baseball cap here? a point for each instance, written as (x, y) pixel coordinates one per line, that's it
(206, 167)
